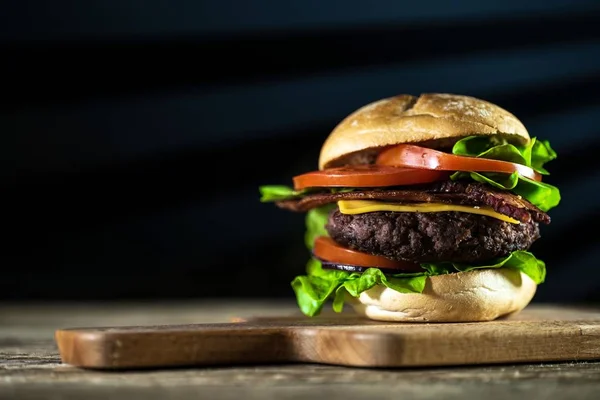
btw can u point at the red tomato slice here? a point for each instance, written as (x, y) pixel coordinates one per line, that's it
(327, 249)
(411, 156)
(367, 176)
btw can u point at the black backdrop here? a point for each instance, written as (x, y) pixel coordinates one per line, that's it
(135, 133)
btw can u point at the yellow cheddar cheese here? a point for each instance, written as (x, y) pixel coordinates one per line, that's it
(365, 206)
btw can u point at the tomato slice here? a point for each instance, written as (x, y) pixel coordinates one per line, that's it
(411, 156)
(327, 249)
(367, 176)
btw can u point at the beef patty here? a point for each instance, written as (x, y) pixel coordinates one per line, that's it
(430, 237)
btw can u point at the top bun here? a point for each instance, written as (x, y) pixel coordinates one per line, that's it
(432, 119)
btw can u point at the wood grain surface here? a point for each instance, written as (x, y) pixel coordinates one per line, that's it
(535, 335)
(31, 367)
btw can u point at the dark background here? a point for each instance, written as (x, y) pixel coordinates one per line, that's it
(135, 133)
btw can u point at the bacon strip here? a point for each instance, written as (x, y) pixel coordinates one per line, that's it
(448, 192)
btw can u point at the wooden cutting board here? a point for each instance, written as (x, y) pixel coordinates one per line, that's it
(537, 334)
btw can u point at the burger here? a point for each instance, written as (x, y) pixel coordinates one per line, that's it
(423, 209)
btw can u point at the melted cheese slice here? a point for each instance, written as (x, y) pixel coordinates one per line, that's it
(365, 206)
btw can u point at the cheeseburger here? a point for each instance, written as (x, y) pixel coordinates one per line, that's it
(423, 209)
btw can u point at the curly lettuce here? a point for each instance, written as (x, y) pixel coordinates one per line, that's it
(534, 155)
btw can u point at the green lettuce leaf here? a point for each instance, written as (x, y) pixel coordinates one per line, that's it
(314, 289)
(315, 220)
(269, 193)
(319, 285)
(278, 192)
(541, 153)
(521, 260)
(534, 155)
(540, 194)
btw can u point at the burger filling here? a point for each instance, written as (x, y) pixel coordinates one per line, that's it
(415, 212)
(431, 237)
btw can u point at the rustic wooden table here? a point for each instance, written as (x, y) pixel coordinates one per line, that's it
(30, 367)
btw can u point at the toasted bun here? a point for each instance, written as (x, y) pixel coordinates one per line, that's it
(480, 295)
(438, 119)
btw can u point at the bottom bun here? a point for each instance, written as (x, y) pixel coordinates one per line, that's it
(480, 295)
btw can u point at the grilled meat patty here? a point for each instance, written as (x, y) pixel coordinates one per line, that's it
(430, 237)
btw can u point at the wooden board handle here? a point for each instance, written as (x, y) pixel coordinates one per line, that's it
(183, 345)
